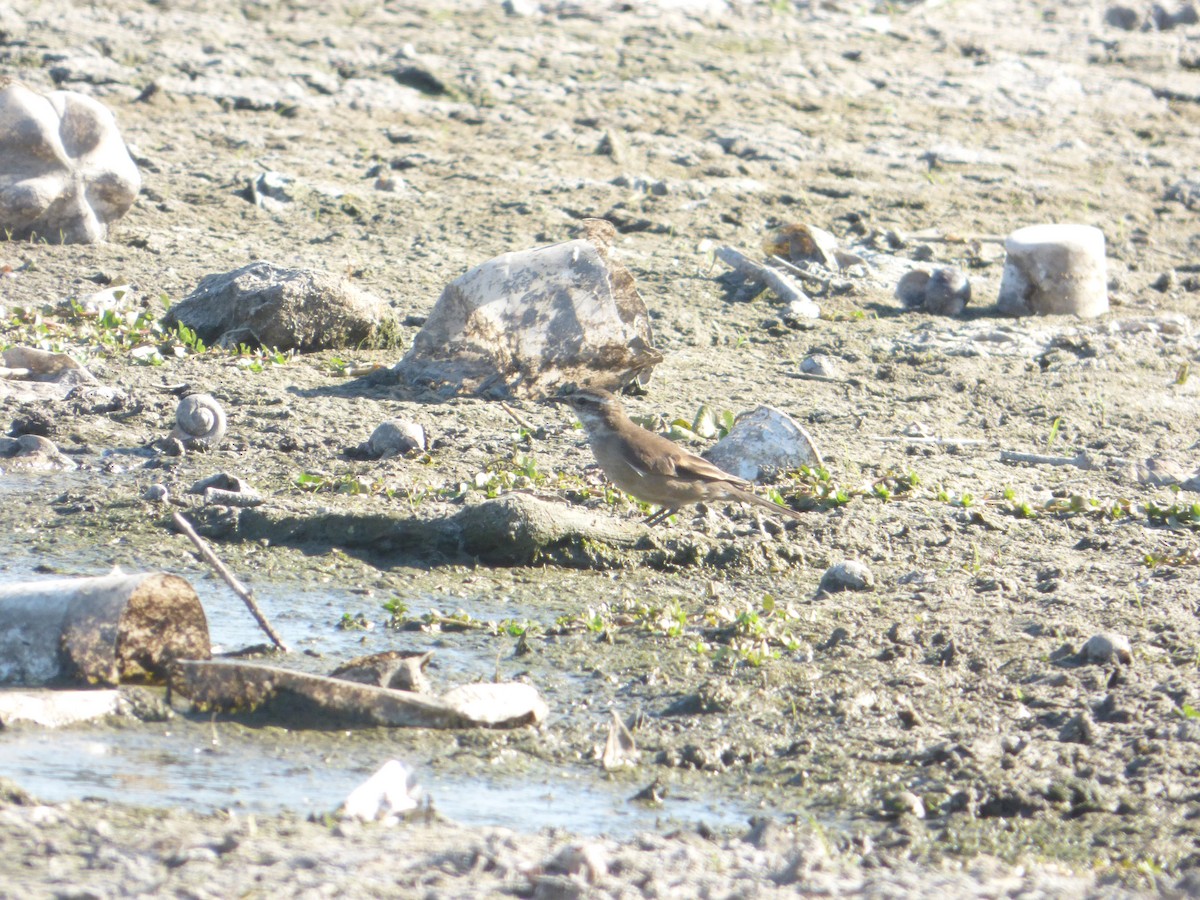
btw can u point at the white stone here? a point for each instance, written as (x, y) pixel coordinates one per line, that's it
(396, 437)
(763, 443)
(383, 796)
(1054, 270)
(65, 174)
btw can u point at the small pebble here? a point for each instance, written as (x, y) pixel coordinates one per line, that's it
(396, 437)
(587, 861)
(847, 575)
(1107, 647)
(156, 493)
(905, 803)
(822, 365)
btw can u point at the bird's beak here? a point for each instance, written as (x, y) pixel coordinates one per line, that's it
(555, 399)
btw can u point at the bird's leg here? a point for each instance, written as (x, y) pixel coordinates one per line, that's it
(661, 516)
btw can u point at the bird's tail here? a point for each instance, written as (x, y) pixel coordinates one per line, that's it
(755, 500)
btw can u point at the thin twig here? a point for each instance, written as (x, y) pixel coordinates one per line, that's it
(935, 237)
(799, 272)
(1080, 460)
(238, 588)
(938, 441)
(518, 418)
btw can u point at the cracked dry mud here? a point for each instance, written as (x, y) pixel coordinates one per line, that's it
(952, 688)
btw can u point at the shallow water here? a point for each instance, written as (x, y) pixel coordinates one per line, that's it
(217, 765)
(154, 768)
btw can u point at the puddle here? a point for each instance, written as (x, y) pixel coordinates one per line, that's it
(178, 770)
(177, 764)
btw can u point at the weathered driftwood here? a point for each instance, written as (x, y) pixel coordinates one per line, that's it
(106, 630)
(246, 687)
(1080, 460)
(779, 282)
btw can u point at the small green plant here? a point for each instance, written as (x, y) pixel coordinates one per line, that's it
(397, 611)
(354, 622)
(1055, 426)
(1174, 514)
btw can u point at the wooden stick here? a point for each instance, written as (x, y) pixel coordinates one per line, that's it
(799, 272)
(936, 237)
(517, 417)
(1080, 460)
(779, 282)
(939, 441)
(238, 588)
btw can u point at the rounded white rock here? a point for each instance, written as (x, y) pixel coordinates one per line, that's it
(396, 437)
(1107, 647)
(847, 575)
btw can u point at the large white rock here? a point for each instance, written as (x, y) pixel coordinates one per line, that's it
(528, 321)
(65, 174)
(1054, 270)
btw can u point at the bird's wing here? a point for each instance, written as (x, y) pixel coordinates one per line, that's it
(662, 456)
(699, 467)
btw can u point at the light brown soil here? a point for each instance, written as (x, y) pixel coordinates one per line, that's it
(955, 681)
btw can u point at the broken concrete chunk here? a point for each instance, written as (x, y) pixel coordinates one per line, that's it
(528, 321)
(391, 669)
(65, 174)
(1054, 270)
(264, 305)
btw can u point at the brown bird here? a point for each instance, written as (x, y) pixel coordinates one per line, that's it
(651, 467)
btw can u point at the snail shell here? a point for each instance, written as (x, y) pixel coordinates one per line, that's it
(199, 417)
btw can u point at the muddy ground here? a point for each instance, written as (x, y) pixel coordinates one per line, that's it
(938, 734)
